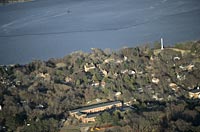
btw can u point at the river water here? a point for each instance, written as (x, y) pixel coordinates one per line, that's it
(44, 29)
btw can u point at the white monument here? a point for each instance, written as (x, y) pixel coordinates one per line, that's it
(161, 44)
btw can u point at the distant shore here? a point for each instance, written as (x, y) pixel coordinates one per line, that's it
(13, 1)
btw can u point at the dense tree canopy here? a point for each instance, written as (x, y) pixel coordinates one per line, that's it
(37, 96)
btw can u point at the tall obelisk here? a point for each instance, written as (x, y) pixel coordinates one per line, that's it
(161, 44)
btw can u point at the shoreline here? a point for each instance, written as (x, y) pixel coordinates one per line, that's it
(153, 46)
(14, 1)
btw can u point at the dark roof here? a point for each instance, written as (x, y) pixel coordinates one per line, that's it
(92, 115)
(96, 106)
(80, 114)
(195, 90)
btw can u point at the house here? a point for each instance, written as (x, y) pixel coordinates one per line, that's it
(124, 71)
(105, 73)
(68, 79)
(140, 90)
(125, 58)
(90, 118)
(118, 61)
(89, 113)
(174, 87)
(194, 93)
(108, 60)
(88, 67)
(117, 94)
(61, 65)
(131, 72)
(96, 84)
(44, 76)
(156, 97)
(177, 58)
(180, 77)
(155, 80)
(103, 84)
(188, 67)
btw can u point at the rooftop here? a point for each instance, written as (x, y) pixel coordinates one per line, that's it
(96, 106)
(195, 90)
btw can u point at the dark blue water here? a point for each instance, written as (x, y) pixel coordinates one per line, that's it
(45, 29)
